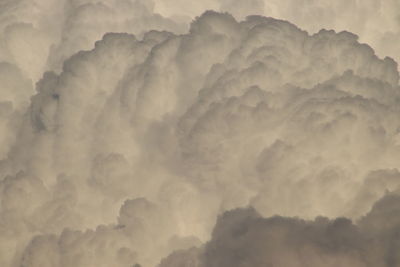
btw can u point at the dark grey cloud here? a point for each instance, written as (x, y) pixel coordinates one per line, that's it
(242, 237)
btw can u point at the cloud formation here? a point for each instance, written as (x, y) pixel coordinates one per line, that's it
(243, 238)
(375, 21)
(128, 151)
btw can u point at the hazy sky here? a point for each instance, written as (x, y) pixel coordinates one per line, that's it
(215, 133)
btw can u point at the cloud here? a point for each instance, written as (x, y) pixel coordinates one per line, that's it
(242, 237)
(136, 237)
(376, 22)
(130, 148)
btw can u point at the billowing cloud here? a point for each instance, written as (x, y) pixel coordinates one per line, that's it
(140, 134)
(243, 238)
(375, 21)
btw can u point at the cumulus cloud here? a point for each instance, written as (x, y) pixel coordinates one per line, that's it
(244, 238)
(375, 21)
(124, 135)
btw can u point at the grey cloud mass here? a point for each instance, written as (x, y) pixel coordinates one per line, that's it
(243, 238)
(141, 133)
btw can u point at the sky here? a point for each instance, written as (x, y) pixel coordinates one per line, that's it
(215, 133)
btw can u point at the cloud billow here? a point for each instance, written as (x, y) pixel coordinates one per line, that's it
(130, 152)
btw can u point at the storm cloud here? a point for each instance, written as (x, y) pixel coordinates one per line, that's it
(136, 134)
